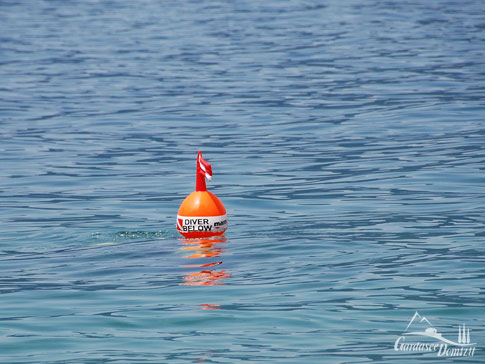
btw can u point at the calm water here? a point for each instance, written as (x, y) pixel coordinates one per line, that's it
(347, 140)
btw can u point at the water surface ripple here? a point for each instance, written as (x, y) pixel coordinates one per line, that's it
(347, 141)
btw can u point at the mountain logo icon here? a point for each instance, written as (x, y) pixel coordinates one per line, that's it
(430, 331)
(417, 318)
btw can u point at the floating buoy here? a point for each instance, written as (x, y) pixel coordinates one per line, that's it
(201, 214)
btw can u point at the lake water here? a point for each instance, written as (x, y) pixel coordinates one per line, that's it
(347, 140)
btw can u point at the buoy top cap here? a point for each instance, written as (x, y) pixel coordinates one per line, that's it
(202, 203)
(204, 170)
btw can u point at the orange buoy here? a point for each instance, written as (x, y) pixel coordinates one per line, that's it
(201, 214)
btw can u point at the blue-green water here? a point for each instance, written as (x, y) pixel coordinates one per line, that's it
(347, 140)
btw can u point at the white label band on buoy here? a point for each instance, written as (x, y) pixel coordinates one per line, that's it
(189, 224)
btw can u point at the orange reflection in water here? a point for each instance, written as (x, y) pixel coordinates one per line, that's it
(204, 248)
(210, 306)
